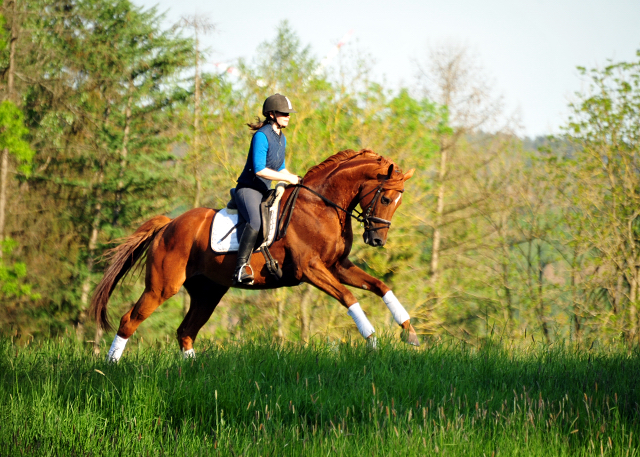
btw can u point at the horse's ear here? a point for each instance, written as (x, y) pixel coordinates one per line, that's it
(409, 174)
(390, 172)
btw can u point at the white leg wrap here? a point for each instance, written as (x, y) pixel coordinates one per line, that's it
(364, 326)
(189, 354)
(397, 310)
(115, 352)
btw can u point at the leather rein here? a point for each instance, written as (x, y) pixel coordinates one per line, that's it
(363, 217)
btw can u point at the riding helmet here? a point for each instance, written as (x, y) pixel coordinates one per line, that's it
(277, 102)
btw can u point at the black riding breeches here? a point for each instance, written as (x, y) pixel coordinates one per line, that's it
(248, 201)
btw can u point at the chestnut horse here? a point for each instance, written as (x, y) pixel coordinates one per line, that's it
(315, 250)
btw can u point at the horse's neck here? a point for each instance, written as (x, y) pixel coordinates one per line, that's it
(341, 185)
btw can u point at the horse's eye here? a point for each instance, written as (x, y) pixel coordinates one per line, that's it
(385, 201)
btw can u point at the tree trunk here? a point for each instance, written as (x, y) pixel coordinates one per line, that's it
(4, 162)
(437, 235)
(4, 172)
(636, 275)
(12, 51)
(93, 243)
(93, 238)
(199, 24)
(619, 293)
(124, 152)
(574, 303)
(541, 316)
(633, 297)
(574, 295)
(507, 292)
(196, 129)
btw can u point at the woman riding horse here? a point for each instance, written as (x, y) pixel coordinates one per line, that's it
(314, 250)
(265, 162)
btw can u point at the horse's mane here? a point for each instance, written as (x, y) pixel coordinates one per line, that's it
(343, 156)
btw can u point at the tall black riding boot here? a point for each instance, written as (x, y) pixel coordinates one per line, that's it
(247, 243)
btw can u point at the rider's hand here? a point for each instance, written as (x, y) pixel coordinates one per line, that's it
(294, 179)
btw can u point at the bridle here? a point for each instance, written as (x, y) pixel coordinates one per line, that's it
(364, 216)
(368, 219)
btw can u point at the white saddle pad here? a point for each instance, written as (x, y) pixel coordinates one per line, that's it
(224, 236)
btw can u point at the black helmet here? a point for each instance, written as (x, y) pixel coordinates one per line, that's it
(277, 102)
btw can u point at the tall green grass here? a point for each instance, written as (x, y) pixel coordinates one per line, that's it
(266, 398)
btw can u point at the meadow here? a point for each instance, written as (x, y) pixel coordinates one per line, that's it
(263, 397)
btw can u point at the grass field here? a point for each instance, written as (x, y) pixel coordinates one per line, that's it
(265, 398)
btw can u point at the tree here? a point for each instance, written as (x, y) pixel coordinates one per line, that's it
(473, 142)
(12, 143)
(200, 25)
(604, 131)
(97, 100)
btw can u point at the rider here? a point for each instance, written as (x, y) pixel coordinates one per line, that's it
(265, 162)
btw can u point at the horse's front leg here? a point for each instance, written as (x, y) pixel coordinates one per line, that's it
(317, 274)
(351, 275)
(205, 296)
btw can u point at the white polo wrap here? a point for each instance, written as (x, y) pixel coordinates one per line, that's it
(189, 354)
(397, 310)
(115, 351)
(364, 326)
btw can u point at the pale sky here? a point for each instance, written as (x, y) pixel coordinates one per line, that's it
(529, 49)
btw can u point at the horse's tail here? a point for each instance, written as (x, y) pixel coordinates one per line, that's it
(122, 258)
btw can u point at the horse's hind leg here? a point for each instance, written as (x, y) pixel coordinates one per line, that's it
(205, 296)
(160, 285)
(146, 304)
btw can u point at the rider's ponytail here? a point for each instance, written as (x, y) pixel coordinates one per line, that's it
(259, 124)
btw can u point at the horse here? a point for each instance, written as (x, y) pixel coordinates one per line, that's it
(315, 250)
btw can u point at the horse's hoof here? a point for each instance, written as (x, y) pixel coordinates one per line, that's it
(410, 338)
(372, 343)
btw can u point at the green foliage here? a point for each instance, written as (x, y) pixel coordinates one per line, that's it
(12, 133)
(601, 172)
(14, 285)
(103, 81)
(539, 241)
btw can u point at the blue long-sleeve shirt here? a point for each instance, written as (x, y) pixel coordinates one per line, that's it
(267, 150)
(260, 146)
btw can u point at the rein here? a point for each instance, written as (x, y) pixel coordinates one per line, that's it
(363, 217)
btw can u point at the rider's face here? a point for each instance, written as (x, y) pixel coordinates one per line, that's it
(282, 118)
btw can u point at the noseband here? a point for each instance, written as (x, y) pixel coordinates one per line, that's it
(368, 220)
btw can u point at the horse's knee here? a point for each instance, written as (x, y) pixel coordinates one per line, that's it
(170, 290)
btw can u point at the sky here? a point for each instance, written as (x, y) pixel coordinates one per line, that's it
(528, 49)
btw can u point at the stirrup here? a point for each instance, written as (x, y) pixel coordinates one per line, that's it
(242, 277)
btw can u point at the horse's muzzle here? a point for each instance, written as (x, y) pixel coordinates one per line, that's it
(372, 238)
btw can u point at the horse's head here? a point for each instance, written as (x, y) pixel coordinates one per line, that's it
(379, 200)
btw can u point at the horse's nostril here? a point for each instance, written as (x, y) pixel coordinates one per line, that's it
(378, 242)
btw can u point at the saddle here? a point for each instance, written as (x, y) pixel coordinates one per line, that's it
(228, 225)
